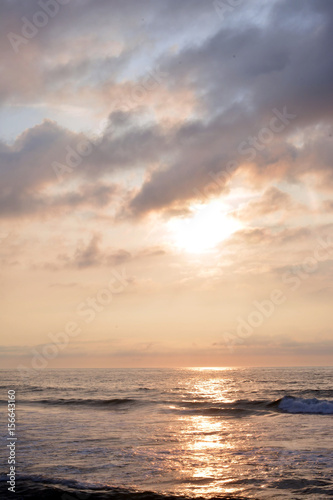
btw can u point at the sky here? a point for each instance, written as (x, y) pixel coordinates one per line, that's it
(166, 183)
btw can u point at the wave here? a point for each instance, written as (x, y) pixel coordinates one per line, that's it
(38, 487)
(239, 408)
(236, 408)
(35, 487)
(291, 404)
(88, 402)
(79, 402)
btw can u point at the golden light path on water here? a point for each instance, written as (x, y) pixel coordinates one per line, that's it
(206, 439)
(207, 442)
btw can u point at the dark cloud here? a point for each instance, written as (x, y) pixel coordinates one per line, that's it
(49, 156)
(237, 73)
(283, 64)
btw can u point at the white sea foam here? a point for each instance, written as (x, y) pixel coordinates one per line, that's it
(299, 405)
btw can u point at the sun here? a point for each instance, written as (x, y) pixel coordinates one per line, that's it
(204, 229)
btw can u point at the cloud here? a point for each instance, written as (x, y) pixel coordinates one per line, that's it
(27, 167)
(327, 206)
(273, 200)
(88, 254)
(222, 85)
(281, 345)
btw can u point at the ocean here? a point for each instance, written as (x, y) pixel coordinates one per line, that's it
(241, 433)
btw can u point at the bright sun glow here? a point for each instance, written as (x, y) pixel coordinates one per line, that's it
(204, 230)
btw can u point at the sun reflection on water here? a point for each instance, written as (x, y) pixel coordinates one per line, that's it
(213, 389)
(209, 464)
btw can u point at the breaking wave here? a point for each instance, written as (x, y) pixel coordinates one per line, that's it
(292, 404)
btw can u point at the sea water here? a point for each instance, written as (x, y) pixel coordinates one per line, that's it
(260, 433)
